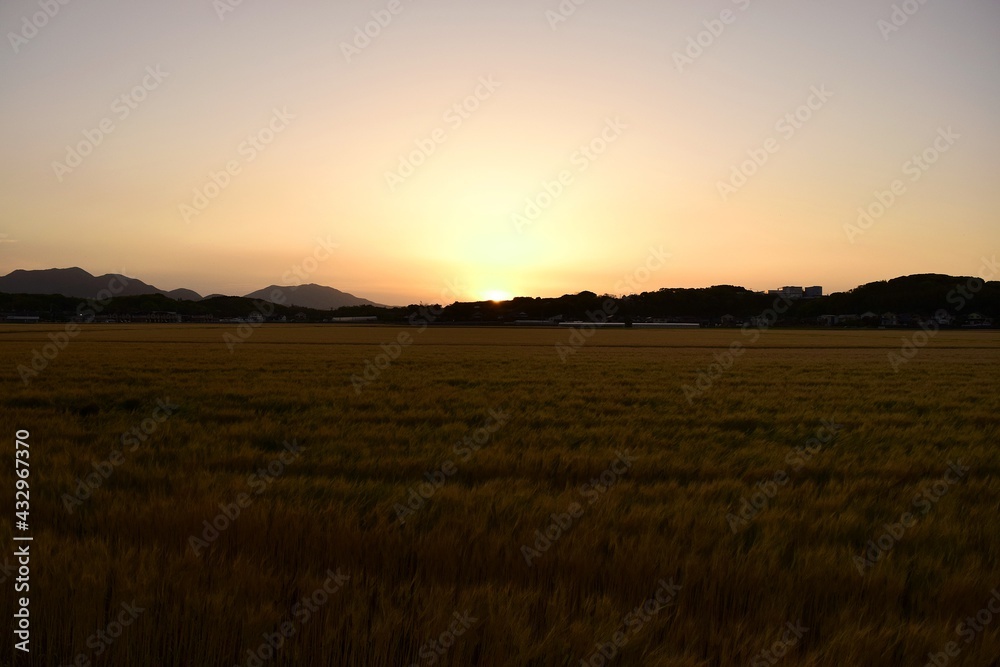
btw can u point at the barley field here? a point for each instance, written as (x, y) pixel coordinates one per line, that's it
(348, 496)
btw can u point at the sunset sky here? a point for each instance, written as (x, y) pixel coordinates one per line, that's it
(310, 118)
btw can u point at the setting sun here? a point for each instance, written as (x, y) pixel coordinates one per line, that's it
(496, 295)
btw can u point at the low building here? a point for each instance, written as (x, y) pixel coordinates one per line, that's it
(348, 320)
(975, 318)
(157, 316)
(665, 325)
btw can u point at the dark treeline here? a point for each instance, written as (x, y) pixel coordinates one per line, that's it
(911, 298)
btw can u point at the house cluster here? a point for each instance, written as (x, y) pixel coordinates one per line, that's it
(975, 320)
(870, 319)
(155, 316)
(257, 317)
(165, 317)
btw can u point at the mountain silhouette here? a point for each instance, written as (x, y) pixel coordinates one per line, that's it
(77, 283)
(315, 296)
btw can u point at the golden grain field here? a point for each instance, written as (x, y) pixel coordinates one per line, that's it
(415, 497)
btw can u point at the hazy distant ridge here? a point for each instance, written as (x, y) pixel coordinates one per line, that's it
(77, 283)
(315, 296)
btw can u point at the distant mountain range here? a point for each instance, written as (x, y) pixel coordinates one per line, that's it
(77, 283)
